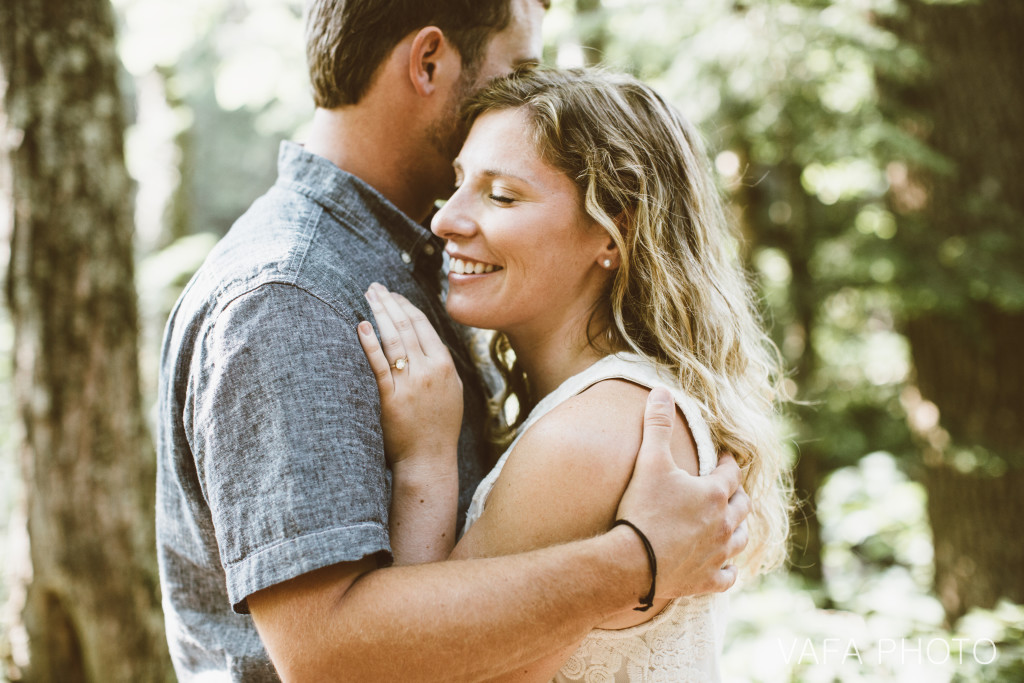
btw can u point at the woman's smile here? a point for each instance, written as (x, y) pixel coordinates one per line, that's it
(523, 254)
(463, 265)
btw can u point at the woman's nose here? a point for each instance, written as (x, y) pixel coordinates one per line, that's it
(454, 219)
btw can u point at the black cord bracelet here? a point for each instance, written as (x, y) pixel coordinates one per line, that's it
(648, 600)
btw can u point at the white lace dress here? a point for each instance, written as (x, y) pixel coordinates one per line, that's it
(684, 641)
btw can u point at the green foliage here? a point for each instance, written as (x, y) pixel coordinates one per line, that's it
(162, 275)
(953, 274)
(235, 71)
(884, 624)
(786, 92)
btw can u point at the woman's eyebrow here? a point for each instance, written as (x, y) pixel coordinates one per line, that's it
(494, 173)
(503, 173)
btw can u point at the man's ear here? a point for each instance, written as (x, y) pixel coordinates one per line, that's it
(431, 60)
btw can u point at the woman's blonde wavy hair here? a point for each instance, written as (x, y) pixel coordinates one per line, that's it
(679, 297)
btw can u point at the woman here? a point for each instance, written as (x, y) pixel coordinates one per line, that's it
(587, 231)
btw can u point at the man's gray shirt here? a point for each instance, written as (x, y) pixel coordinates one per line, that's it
(270, 455)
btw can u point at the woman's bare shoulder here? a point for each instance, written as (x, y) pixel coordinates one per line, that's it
(565, 476)
(564, 479)
(604, 425)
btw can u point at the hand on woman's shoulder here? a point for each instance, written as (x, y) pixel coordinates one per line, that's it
(567, 473)
(611, 415)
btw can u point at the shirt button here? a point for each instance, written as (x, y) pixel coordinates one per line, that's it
(406, 258)
(429, 249)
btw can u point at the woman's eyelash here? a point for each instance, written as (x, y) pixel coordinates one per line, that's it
(501, 199)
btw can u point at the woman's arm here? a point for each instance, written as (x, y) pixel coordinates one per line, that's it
(564, 481)
(421, 437)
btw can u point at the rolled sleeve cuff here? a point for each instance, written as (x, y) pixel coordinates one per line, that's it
(297, 556)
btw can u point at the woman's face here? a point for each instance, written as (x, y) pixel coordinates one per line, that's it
(525, 257)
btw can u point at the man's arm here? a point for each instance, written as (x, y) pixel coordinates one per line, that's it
(456, 620)
(566, 476)
(476, 619)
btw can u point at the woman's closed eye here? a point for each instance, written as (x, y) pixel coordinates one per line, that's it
(500, 198)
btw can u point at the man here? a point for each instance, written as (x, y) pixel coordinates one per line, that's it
(273, 492)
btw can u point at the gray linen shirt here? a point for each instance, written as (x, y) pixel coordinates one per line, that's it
(270, 456)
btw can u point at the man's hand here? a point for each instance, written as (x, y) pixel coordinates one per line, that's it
(695, 524)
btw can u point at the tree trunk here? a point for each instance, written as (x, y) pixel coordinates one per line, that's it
(970, 109)
(91, 608)
(977, 382)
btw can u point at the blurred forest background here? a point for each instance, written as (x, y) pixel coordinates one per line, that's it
(873, 152)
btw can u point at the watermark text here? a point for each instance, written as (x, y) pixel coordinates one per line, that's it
(839, 651)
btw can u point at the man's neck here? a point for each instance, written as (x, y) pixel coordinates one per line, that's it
(358, 140)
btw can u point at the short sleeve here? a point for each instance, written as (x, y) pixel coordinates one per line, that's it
(284, 418)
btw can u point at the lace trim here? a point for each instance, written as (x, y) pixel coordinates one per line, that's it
(680, 644)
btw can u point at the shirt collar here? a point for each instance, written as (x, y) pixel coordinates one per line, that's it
(354, 202)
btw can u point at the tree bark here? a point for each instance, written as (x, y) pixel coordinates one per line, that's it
(977, 383)
(91, 608)
(970, 109)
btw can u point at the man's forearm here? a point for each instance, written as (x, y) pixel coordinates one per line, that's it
(462, 620)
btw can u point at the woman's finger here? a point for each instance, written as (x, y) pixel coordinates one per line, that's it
(429, 340)
(378, 361)
(400, 319)
(390, 340)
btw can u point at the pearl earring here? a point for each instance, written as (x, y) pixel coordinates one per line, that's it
(607, 263)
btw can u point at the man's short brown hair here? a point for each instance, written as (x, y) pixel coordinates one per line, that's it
(346, 40)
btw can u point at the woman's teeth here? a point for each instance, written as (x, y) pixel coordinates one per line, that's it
(471, 267)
